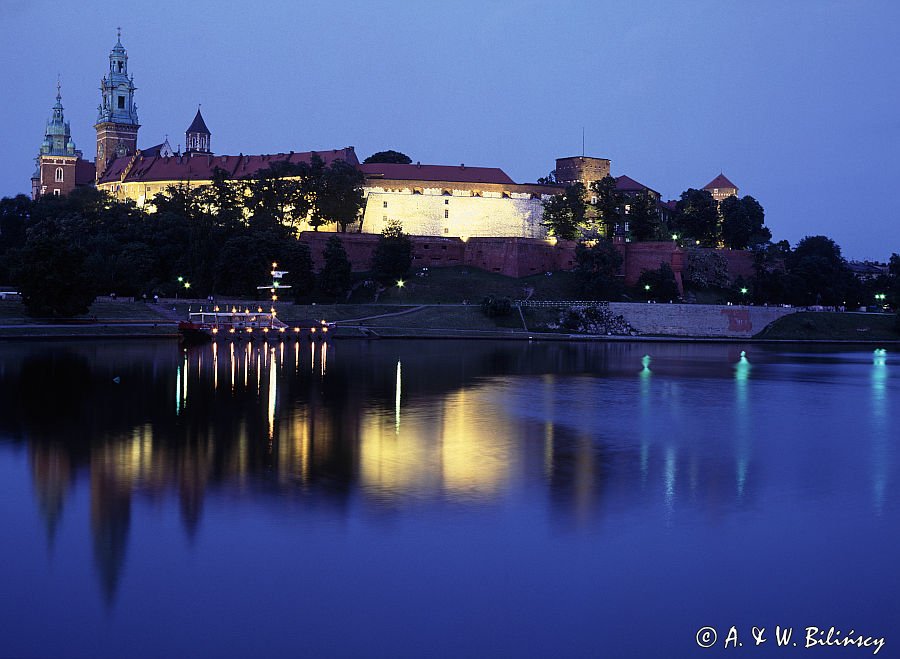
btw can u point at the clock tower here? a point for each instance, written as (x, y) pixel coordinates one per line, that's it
(117, 121)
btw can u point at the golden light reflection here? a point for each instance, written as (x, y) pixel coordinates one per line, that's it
(324, 360)
(215, 351)
(273, 384)
(232, 360)
(397, 401)
(475, 454)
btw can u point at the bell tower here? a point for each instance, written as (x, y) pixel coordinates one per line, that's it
(57, 159)
(117, 121)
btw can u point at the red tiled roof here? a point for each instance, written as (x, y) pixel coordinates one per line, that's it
(85, 172)
(720, 182)
(200, 166)
(418, 172)
(627, 184)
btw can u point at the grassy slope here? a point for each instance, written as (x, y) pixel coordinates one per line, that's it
(825, 326)
(461, 283)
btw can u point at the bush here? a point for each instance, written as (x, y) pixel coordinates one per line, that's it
(595, 319)
(658, 284)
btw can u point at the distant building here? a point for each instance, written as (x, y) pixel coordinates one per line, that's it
(59, 166)
(427, 200)
(721, 188)
(117, 121)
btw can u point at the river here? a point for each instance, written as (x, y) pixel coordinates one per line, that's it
(445, 499)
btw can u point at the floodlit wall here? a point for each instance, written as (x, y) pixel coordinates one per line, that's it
(454, 213)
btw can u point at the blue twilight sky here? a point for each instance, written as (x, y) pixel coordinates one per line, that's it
(797, 102)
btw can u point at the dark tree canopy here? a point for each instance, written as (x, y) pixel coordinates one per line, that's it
(644, 222)
(564, 214)
(392, 257)
(598, 263)
(608, 206)
(335, 276)
(743, 222)
(658, 284)
(697, 217)
(52, 276)
(389, 156)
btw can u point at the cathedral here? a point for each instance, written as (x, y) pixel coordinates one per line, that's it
(428, 200)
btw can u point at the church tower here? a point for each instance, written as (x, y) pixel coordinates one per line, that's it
(57, 159)
(117, 121)
(197, 136)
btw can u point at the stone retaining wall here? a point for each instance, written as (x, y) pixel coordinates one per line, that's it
(699, 320)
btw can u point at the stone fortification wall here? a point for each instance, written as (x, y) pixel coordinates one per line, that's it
(515, 257)
(648, 256)
(698, 320)
(455, 213)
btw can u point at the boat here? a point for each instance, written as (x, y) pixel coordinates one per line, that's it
(204, 326)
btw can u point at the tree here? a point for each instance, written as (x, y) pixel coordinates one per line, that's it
(658, 284)
(52, 276)
(743, 222)
(392, 257)
(644, 221)
(564, 214)
(608, 206)
(549, 179)
(334, 278)
(15, 213)
(598, 264)
(342, 198)
(390, 156)
(822, 273)
(697, 217)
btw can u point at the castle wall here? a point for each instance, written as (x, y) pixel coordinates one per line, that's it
(649, 256)
(454, 211)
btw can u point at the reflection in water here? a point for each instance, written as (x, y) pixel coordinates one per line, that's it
(880, 442)
(742, 421)
(579, 426)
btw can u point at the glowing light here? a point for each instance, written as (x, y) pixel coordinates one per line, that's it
(324, 329)
(249, 330)
(645, 363)
(646, 287)
(312, 329)
(231, 331)
(296, 329)
(400, 283)
(272, 395)
(281, 329)
(743, 291)
(187, 284)
(265, 330)
(674, 236)
(215, 330)
(217, 308)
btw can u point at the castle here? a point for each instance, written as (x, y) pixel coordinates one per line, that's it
(428, 200)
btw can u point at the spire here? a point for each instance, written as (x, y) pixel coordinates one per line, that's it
(57, 136)
(197, 136)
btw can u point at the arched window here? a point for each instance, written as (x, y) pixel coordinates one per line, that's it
(59, 174)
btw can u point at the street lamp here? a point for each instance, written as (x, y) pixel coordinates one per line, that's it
(180, 281)
(400, 283)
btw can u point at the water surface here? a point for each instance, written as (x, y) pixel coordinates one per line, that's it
(410, 499)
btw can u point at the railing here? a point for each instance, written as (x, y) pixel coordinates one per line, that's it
(557, 304)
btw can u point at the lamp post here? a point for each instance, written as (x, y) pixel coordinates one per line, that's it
(180, 282)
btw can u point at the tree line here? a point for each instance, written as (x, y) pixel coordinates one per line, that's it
(218, 239)
(603, 211)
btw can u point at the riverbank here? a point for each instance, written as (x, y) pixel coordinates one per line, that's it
(651, 322)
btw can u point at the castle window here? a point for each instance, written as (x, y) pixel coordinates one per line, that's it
(121, 102)
(446, 202)
(56, 192)
(120, 67)
(385, 204)
(59, 174)
(446, 213)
